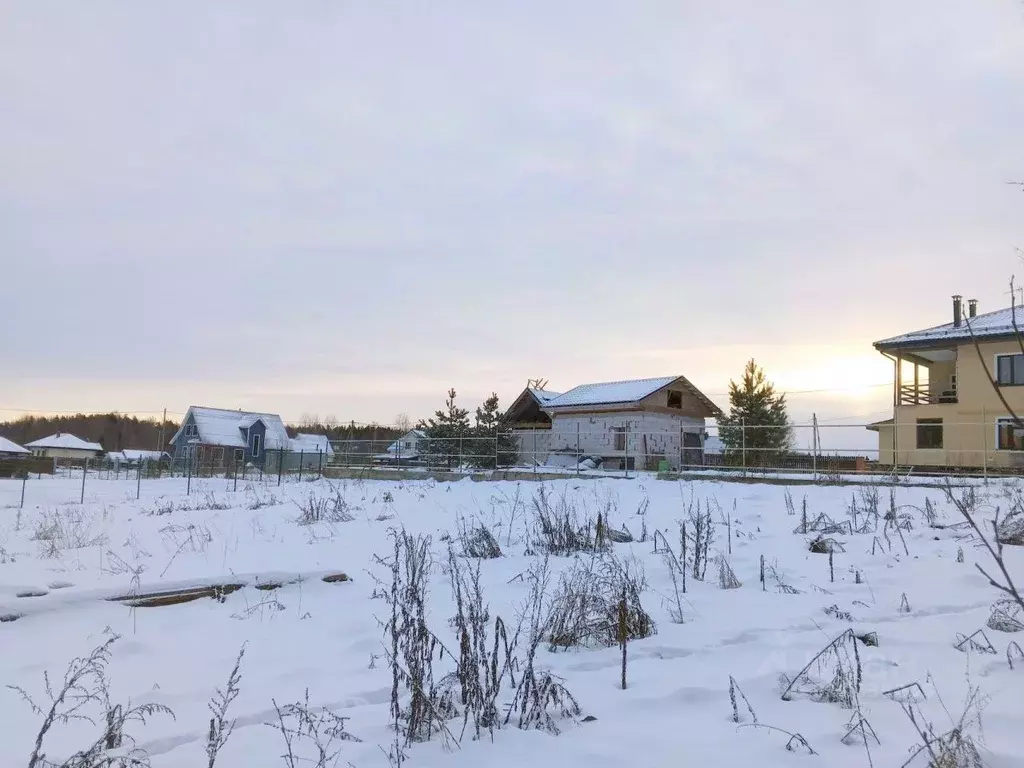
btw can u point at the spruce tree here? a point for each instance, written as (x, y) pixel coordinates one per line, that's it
(446, 433)
(492, 443)
(757, 425)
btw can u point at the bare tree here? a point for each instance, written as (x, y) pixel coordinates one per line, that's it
(402, 422)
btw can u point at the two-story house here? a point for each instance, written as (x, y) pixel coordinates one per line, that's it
(946, 411)
(220, 437)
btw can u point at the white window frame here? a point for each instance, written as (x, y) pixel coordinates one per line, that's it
(256, 444)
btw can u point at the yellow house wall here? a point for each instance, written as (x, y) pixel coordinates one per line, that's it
(969, 426)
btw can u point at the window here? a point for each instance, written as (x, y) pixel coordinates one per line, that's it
(929, 433)
(620, 438)
(407, 444)
(239, 454)
(191, 430)
(255, 446)
(675, 399)
(1009, 437)
(1009, 370)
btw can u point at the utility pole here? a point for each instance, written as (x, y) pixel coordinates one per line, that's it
(163, 422)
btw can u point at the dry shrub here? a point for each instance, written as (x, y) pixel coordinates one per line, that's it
(585, 610)
(561, 529)
(834, 675)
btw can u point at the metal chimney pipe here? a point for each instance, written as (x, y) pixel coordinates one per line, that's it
(957, 310)
(972, 308)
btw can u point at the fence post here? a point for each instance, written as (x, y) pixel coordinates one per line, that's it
(578, 458)
(188, 485)
(24, 480)
(496, 451)
(302, 455)
(680, 448)
(814, 443)
(984, 445)
(320, 463)
(626, 450)
(460, 453)
(280, 464)
(535, 466)
(138, 488)
(743, 437)
(235, 472)
(85, 471)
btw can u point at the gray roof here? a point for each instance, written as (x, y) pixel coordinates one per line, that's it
(609, 393)
(998, 323)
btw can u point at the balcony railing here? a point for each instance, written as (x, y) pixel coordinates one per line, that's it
(924, 395)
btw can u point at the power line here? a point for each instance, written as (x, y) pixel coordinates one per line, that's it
(818, 391)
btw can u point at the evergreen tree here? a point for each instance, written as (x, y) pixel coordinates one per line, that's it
(492, 443)
(446, 433)
(757, 425)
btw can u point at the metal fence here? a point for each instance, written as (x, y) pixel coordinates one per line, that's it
(922, 447)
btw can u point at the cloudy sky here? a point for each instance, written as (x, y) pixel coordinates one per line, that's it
(344, 208)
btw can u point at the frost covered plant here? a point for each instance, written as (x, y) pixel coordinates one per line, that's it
(220, 726)
(312, 736)
(69, 528)
(560, 529)
(586, 608)
(316, 508)
(84, 695)
(1006, 616)
(956, 747)
(696, 536)
(834, 675)
(477, 541)
(726, 576)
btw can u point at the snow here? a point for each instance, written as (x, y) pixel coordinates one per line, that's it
(64, 440)
(609, 393)
(326, 637)
(137, 454)
(998, 323)
(7, 446)
(306, 443)
(222, 427)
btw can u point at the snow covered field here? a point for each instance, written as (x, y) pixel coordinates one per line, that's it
(60, 562)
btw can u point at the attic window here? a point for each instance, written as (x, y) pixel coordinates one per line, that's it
(675, 399)
(256, 445)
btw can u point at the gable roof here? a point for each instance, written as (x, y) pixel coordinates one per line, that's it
(623, 392)
(218, 426)
(66, 441)
(610, 392)
(7, 446)
(307, 443)
(990, 324)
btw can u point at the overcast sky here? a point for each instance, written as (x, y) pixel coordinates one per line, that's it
(344, 208)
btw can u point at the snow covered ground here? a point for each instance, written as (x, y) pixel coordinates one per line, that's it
(60, 561)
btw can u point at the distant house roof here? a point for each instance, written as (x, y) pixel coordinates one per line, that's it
(139, 454)
(622, 392)
(66, 441)
(307, 443)
(991, 324)
(217, 426)
(412, 436)
(7, 446)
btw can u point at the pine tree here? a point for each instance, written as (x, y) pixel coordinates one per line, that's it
(757, 425)
(446, 433)
(492, 442)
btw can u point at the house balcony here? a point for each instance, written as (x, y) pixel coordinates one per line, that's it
(924, 394)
